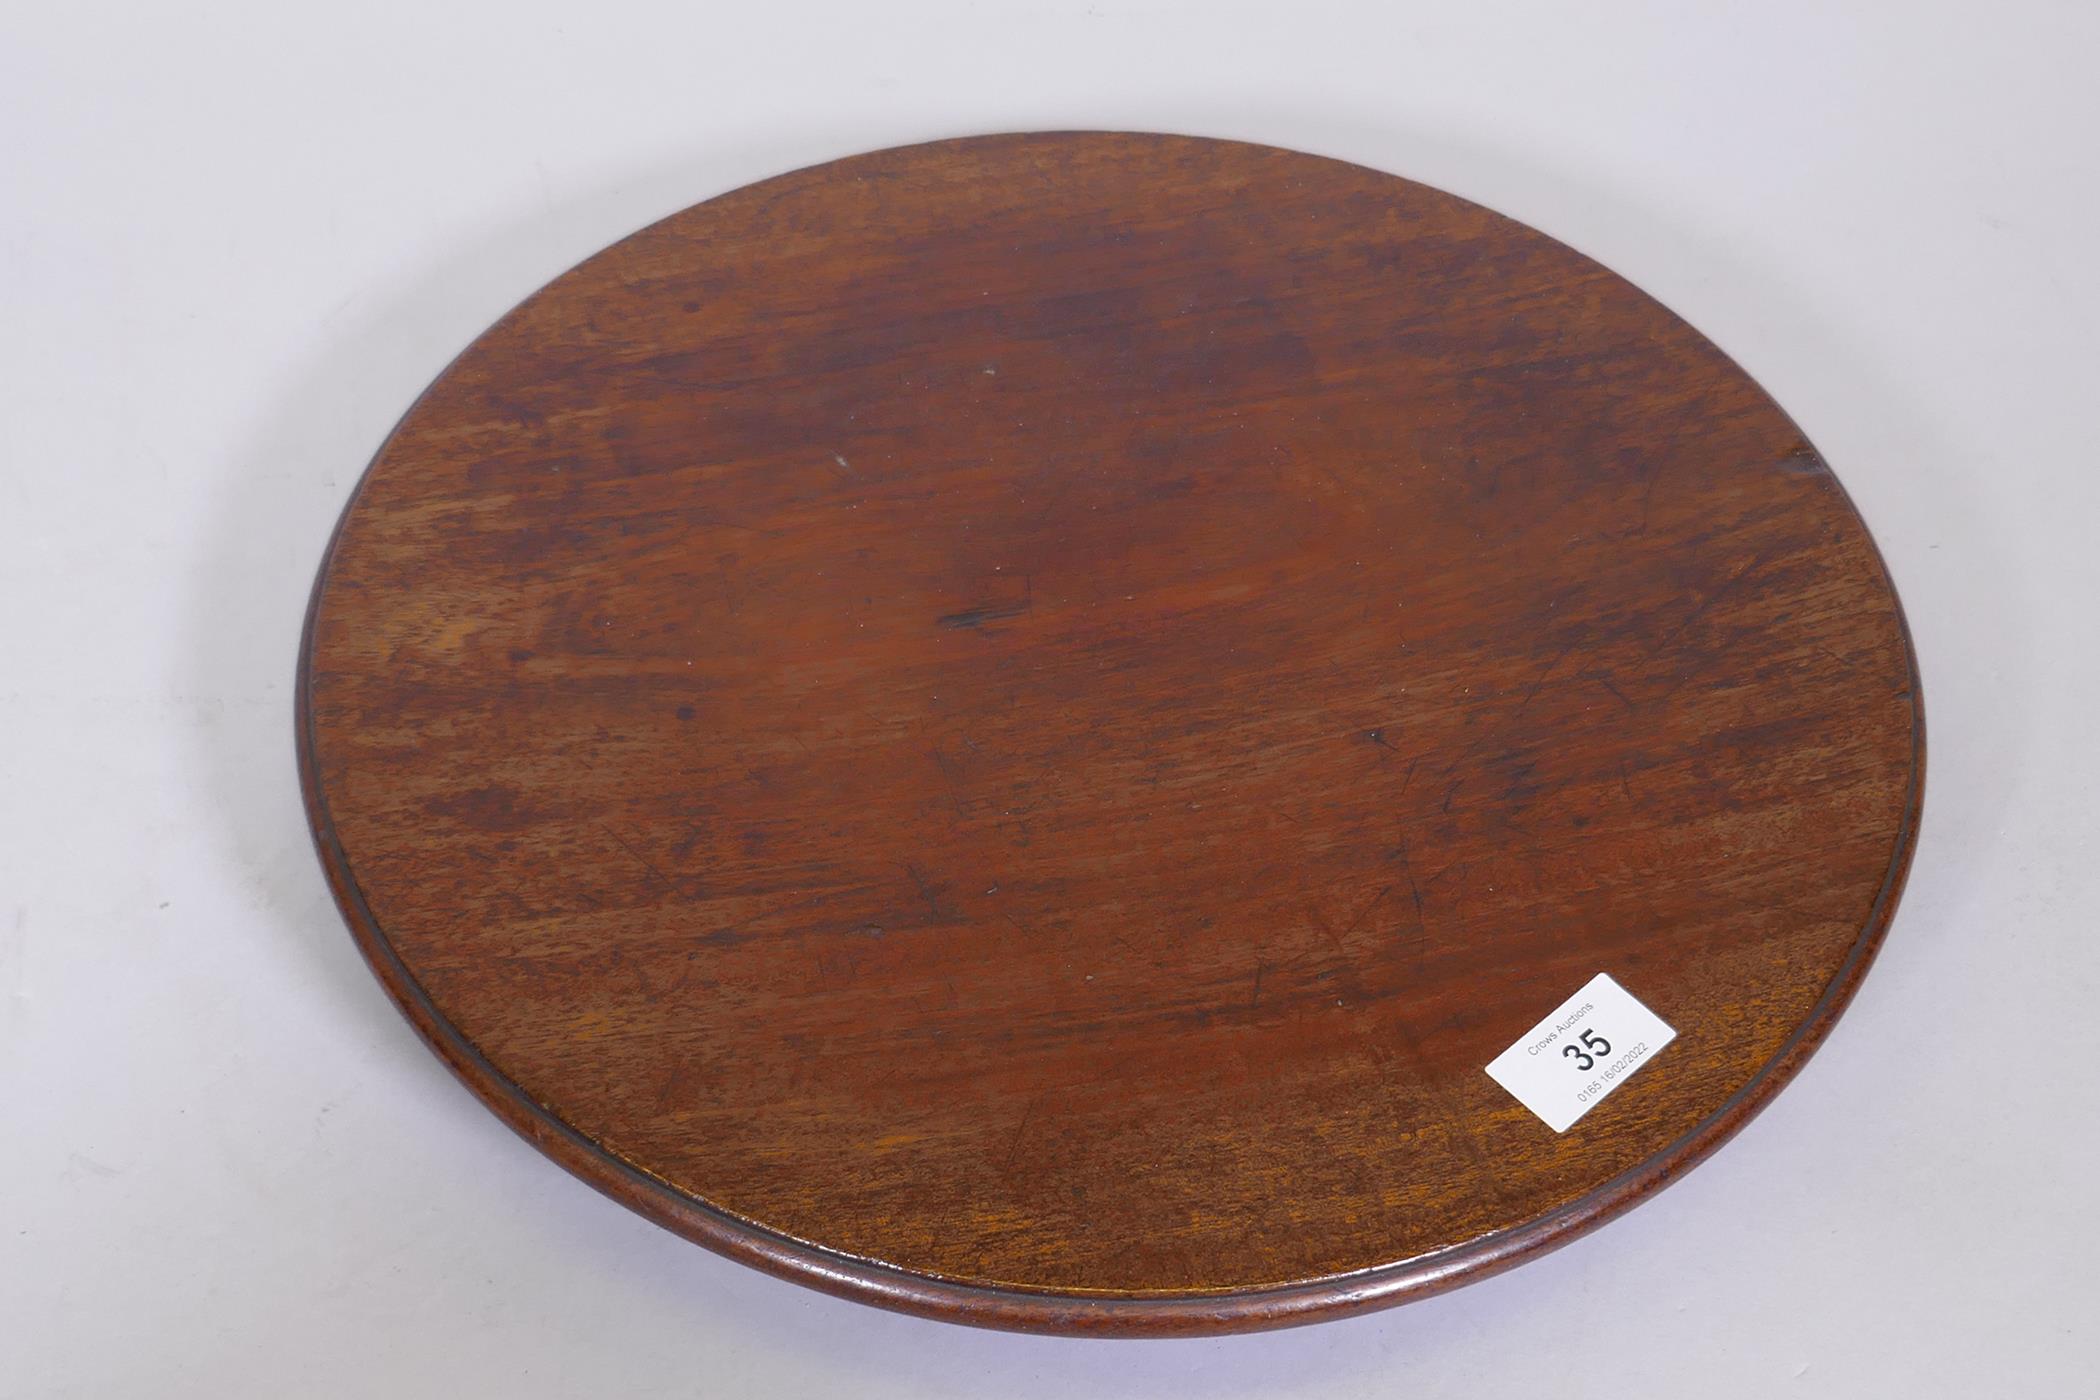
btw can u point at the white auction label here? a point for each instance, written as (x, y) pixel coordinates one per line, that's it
(1586, 1047)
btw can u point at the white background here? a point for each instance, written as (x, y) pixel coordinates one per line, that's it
(235, 241)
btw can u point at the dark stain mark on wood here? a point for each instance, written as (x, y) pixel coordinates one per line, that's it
(987, 612)
(928, 891)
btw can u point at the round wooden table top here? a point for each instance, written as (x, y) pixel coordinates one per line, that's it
(1006, 728)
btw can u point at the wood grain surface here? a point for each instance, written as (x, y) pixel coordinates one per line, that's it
(1004, 727)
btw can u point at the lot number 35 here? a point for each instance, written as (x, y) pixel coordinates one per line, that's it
(1593, 1048)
